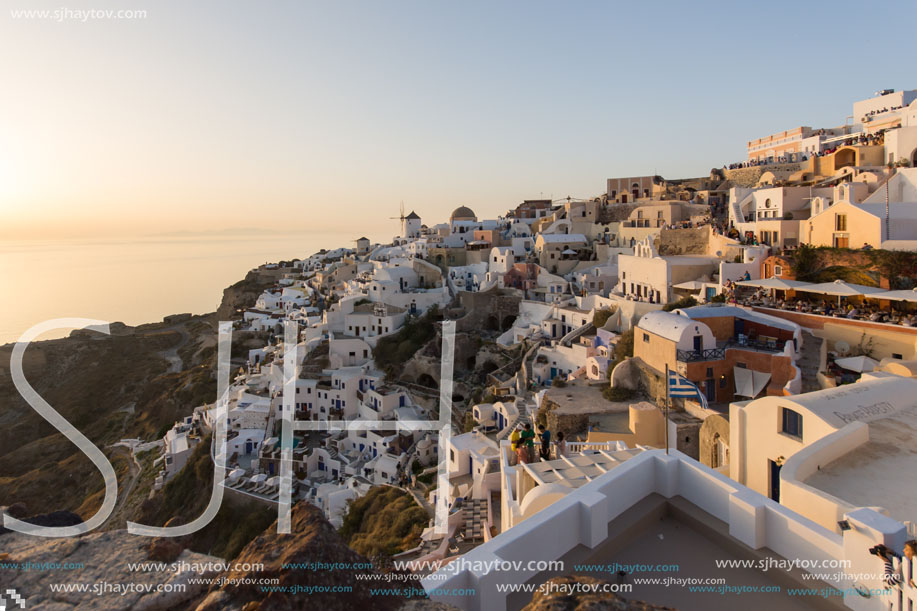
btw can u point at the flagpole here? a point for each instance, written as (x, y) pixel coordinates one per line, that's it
(666, 417)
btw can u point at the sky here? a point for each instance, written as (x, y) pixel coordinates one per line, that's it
(297, 115)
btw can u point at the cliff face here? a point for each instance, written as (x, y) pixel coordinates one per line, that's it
(561, 600)
(312, 540)
(245, 292)
(100, 558)
(131, 384)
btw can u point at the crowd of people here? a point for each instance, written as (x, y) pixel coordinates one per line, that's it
(826, 307)
(860, 139)
(523, 444)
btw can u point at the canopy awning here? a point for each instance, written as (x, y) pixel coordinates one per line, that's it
(690, 285)
(840, 288)
(859, 364)
(749, 382)
(910, 295)
(775, 283)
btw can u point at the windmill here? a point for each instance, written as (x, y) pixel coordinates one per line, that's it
(400, 218)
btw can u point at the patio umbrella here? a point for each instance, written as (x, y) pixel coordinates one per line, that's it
(776, 283)
(910, 295)
(839, 288)
(691, 285)
(857, 363)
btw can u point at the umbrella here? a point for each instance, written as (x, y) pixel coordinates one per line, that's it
(840, 289)
(857, 363)
(775, 283)
(910, 295)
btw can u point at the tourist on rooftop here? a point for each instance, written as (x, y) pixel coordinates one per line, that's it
(514, 441)
(527, 444)
(560, 447)
(545, 435)
(890, 576)
(910, 551)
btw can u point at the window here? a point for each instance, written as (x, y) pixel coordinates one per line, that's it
(895, 355)
(840, 222)
(646, 337)
(709, 372)
(792, 423)
(778, 270)
(452, 455)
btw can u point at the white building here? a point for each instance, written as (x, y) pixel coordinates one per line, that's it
(651, 506)
(646, 276)
(825, 453)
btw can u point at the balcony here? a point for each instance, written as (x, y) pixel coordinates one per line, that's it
(694, 356)
(760, 344)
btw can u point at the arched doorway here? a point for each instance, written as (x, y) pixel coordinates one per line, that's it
(635, 191)
(844, 157)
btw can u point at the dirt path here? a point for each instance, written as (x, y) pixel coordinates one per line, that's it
(171, 355)
(124, 490)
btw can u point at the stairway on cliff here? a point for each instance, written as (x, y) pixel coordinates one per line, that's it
(809, 361)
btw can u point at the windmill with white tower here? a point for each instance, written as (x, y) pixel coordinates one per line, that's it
(410, 224)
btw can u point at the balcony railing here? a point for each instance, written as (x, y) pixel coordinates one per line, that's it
(762, 345)
(693, 356)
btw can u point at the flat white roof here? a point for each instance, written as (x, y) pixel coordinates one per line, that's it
(877, 472)
(561, 238)
(866, 401)
(471, 441)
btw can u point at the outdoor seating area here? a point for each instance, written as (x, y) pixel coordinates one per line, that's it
(838, 299)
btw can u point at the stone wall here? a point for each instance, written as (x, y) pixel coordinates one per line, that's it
(691, 241)
(489, 309)
(748, 177)
(713, 426)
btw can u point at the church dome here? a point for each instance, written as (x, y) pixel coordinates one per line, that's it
(463, 213)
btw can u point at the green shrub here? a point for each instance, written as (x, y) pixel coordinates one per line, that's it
(384, 522)
(617, 393)
(684, 302)
(601, 317)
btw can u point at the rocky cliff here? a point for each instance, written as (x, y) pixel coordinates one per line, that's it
(312, 540)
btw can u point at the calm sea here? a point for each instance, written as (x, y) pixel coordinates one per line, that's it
(133, 281)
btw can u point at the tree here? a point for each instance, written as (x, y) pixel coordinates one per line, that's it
(685, 302)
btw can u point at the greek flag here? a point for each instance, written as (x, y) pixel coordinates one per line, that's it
(679, 386)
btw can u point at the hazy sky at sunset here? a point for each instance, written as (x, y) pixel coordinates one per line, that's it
(305, 115)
